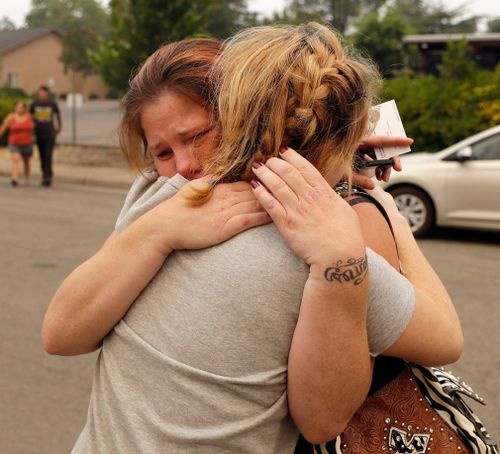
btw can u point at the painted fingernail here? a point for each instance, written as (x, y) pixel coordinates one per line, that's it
(283, 149)
(256, 165)
(254, 184)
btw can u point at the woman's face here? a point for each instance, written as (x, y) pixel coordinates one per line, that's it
(179, 135)
(20, 108)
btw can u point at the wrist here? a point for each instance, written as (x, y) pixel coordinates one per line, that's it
(349, 267)
(396, 216)
(151, 234)
(400, 225)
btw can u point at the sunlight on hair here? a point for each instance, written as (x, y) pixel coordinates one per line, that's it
(294, 86)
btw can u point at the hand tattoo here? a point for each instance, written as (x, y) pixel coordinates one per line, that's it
(353, 270)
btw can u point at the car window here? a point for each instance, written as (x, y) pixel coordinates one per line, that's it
(487, 149)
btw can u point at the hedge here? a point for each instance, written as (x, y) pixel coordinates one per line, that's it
(440, 111)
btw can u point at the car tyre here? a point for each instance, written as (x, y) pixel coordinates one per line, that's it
(416, 206)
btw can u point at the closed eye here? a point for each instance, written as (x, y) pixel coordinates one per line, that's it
(200, 135)
(165, 154)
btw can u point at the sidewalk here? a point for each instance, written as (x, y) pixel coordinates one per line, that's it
(107, 173)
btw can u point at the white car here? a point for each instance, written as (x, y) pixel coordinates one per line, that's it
(456, 187)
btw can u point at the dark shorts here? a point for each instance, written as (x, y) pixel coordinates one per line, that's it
(25, 150)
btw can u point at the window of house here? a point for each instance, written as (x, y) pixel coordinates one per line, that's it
(13, 80)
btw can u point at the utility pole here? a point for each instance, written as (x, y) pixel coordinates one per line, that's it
(73, 109)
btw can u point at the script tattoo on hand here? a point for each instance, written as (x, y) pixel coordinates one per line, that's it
(354, 270)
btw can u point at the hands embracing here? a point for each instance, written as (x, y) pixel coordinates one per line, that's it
(314, 220)
(231, 209)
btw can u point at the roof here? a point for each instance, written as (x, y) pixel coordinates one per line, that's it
(12, 39)
(445, 37)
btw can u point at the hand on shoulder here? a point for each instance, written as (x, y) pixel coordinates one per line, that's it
(309, 214)
(231, 209)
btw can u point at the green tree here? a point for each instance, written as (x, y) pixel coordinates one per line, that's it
(457, 64)
(347, 12)
(425, 17)
(339, 13)
(494, 25)
(6, 24)
(381, 38)
(303, 11)
(440, 111)
(226, 17)
(138, 27)
(81, 21)
(285, 16)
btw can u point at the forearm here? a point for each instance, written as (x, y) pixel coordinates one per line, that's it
(329, 364)
(97, 294)
(5, 125)
(414, 265)
(435, 322)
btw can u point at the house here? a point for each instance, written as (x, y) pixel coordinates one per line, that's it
(30, 57)
(484, 49)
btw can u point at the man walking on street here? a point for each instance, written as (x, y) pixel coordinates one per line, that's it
(43, 110)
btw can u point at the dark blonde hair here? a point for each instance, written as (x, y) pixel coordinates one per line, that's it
(294, 86)
(183, 67)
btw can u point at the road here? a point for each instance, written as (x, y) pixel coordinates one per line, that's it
(45, 233)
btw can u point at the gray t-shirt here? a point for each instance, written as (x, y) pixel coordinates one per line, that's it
(199, 362)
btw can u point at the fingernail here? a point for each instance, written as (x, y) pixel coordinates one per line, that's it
(254, 184)
(256, 165)
(283, 149)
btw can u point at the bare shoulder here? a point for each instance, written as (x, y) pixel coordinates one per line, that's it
(376, 231)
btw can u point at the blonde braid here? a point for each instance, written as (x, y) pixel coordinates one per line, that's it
(293, 86)
(319, 83)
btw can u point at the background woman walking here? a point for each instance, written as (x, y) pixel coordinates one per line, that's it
(20, 126)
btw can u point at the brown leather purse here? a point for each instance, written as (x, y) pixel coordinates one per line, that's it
(411, 409)
(397, 418)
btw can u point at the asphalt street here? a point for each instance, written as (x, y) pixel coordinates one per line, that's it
(47, 232)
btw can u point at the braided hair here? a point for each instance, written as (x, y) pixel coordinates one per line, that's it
(294, 86)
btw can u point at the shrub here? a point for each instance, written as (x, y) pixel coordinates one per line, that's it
(9, 92)
(439, 111)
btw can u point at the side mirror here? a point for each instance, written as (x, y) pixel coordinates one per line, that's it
(465, 154)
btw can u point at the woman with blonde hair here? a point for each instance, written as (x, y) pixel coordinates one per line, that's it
(201, 360)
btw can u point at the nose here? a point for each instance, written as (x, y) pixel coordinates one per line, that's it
(187, 165)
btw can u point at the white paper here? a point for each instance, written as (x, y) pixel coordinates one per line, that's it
(385, 121)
